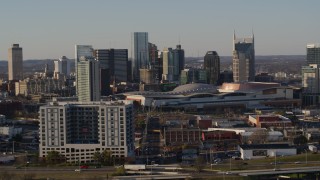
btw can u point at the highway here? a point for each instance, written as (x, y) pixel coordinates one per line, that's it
(277, 171)
(144, 177)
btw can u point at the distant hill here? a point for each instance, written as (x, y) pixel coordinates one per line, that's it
(32, 65)
(270, 64)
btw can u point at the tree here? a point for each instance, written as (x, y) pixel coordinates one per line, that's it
(300, 140)
(258, 137)
(107, 158)
(97, 157)
(54, 157)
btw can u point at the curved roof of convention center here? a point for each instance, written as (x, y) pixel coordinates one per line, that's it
(247, 86)
(186, 90)
(196, 88)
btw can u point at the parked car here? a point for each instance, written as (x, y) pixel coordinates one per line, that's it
(84, 167)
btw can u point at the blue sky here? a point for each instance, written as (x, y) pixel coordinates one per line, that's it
(50, 29)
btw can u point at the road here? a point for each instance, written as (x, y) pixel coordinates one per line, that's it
(274, 171)
(51, 169)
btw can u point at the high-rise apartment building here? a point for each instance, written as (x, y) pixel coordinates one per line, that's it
(141, 53)
(77, 130)
(243, 59)
(313, 54)
(15, 63)
(212, 67)
(62, 67)
(88, 78)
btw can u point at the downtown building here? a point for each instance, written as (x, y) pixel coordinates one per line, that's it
(81, 51)
(313, 54)
(88, 78)
(113, 67)
(79, 129)
(61, 68)
(141, 54)
(15, 63)
(172, 64)
(311, 76)
(243, 59)
(212, 67)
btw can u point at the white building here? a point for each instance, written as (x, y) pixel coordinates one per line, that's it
(79, 129)
(61, 67)
(255, 151)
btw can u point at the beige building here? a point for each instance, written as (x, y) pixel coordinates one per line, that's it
(15, 64)
(79, 129)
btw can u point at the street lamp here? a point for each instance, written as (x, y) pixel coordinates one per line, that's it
(306, 156)
(152, 163)
(275, 160)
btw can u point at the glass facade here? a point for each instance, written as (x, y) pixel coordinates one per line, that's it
(141, 53)
(313, 54)
(243, 59)
(212, 66)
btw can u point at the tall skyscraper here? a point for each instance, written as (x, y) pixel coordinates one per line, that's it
(77, 130)
(81, 50)
(243, 59)
(167, 64)
(178, 62)
(141, 53)
(62, 67)
(156, 63)
(181, 60)
(311, 85)
(313, 54)
(115, 62)
(15, 63)
(172, 63)
(212, 66)
(88, 79)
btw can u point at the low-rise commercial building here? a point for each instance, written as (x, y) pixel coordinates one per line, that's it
(179, 136)
(255, 151)
(270, 120)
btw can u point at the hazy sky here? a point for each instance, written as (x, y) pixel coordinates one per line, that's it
(51, 28)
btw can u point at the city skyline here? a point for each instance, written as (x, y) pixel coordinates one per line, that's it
(50, 29)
